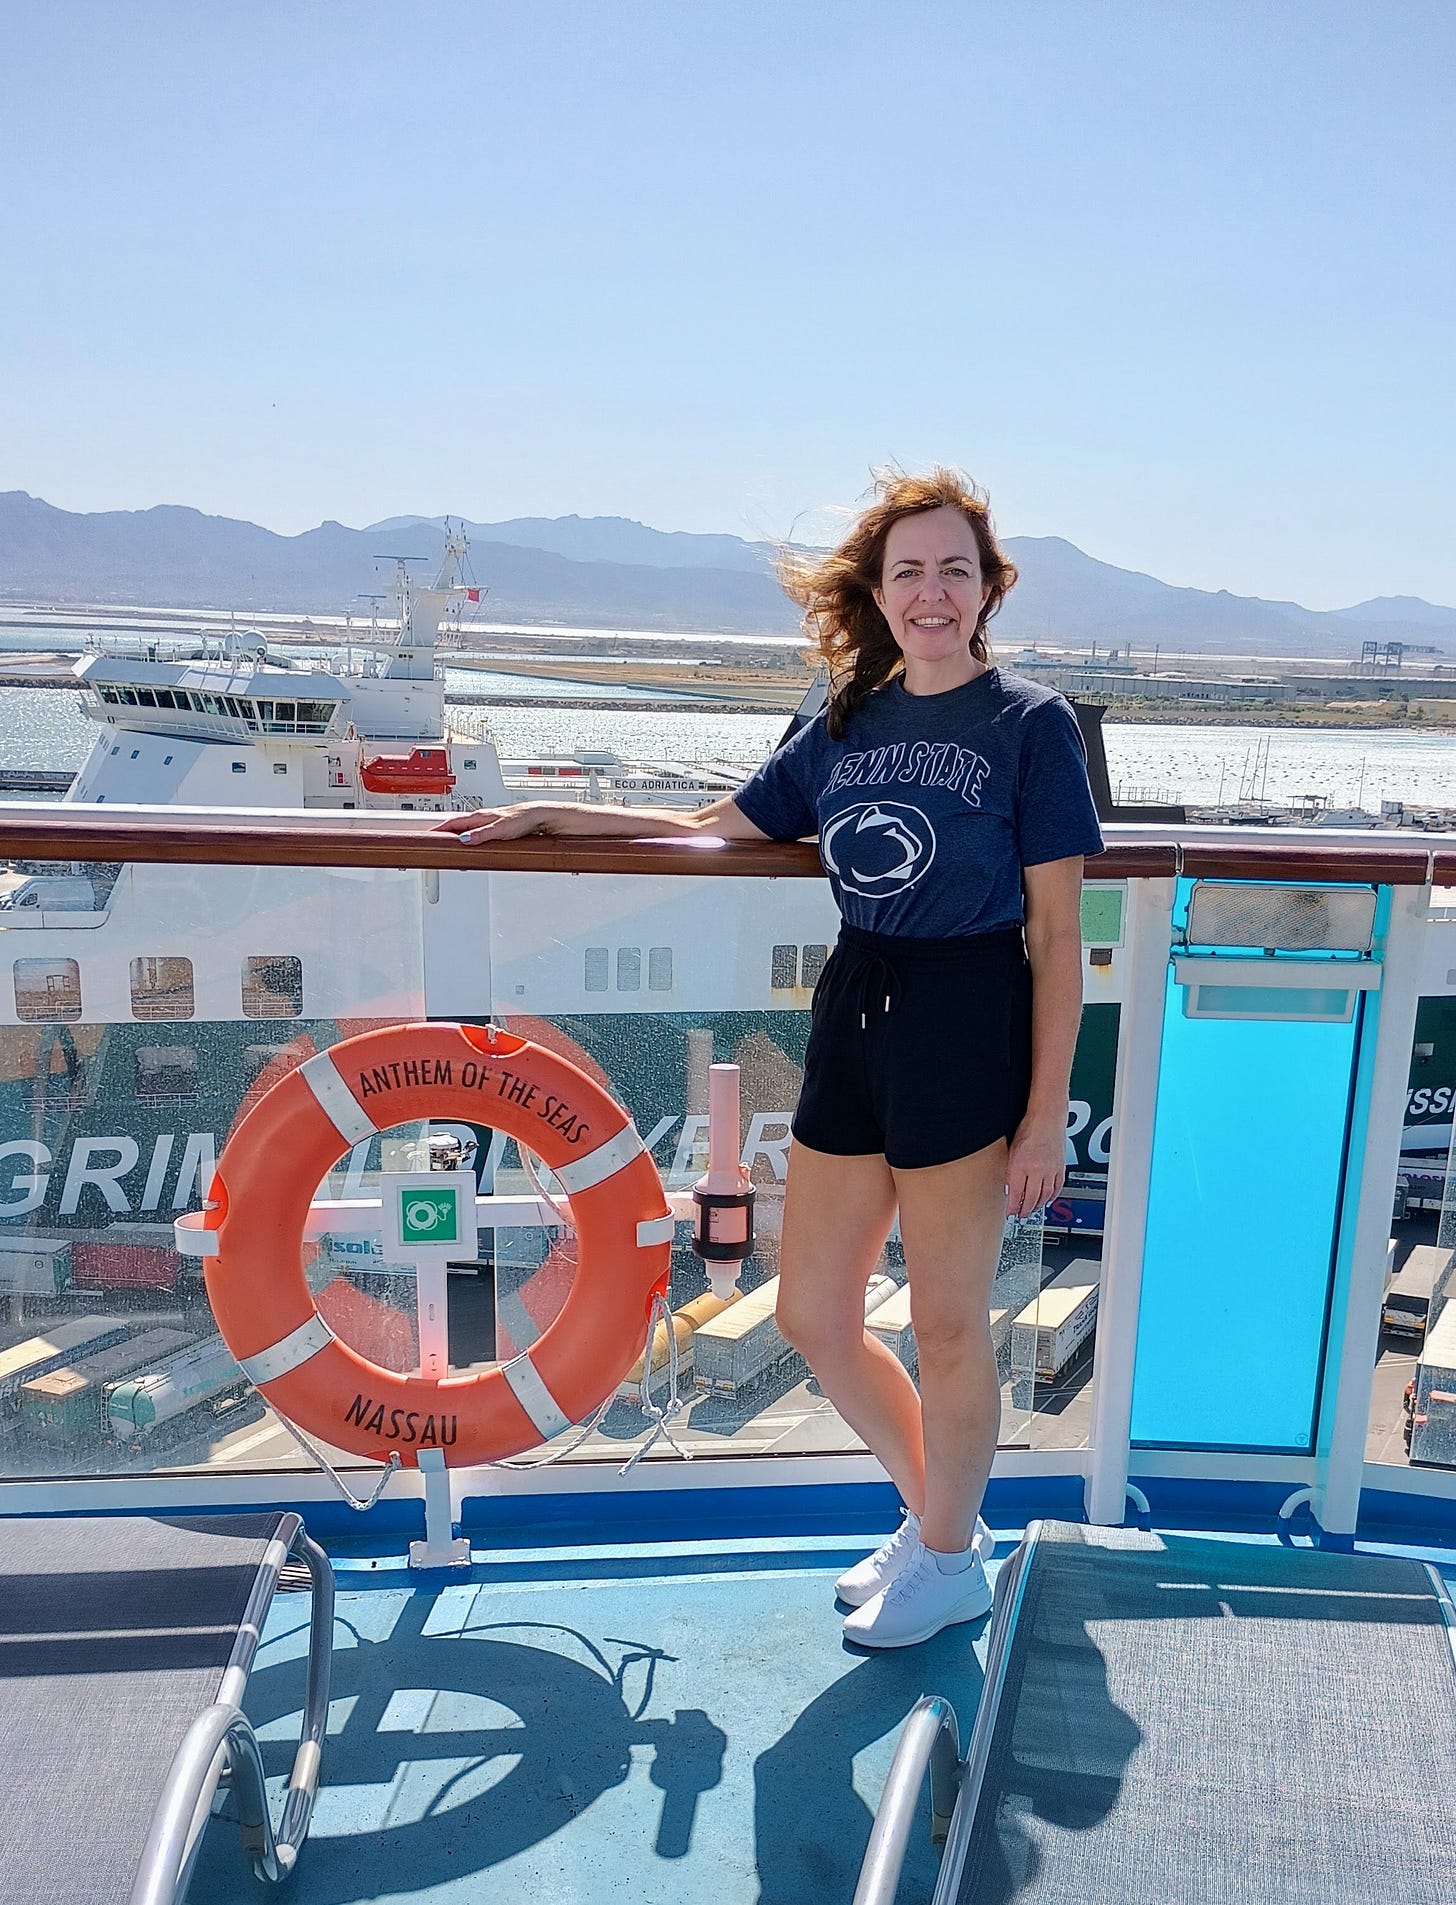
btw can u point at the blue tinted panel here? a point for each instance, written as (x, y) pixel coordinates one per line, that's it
(1248, 1154)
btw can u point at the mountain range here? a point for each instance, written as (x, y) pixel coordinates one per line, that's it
(608, 572)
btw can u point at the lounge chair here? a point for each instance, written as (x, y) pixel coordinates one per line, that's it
(125, 1646)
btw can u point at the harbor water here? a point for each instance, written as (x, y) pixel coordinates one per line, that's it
(1352, 767)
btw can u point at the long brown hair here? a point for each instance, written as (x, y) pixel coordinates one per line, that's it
(836, 591)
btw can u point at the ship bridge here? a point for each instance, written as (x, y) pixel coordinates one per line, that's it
(1224, 1502)
(213, 702)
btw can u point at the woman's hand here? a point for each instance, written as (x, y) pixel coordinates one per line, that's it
(495, 823)
(1036, 1164)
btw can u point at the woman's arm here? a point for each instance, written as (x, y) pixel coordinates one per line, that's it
(724, 820)
(1036, 1167)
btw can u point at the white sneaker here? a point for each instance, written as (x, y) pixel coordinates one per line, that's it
(864, 1580)
(919, 1602)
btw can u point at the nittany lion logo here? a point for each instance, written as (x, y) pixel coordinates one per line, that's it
(878, 849)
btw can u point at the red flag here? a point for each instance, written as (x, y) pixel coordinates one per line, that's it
(472, 595)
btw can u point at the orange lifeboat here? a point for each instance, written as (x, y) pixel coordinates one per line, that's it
(424, 770)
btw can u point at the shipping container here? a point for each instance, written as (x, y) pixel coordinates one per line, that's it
(686, 1322)
(1433, 1404)
(742, 1344)
(65, 1406)
(34, 1266)
(889, 1323)
(1420, 1281)
(1062, 1316)
(127, 1257)
(61, 1343)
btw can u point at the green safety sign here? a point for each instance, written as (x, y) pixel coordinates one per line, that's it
(427, 1213)
(428, 1217)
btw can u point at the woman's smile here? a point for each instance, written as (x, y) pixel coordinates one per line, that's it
(931, 594)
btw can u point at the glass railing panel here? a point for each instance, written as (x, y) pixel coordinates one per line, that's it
(648, 982)
(1413, 1395)
(645, 984)
(141, 1017)
(135, 1030)
(1247, 1171)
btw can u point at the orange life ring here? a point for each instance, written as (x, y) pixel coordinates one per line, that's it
(269, 1174)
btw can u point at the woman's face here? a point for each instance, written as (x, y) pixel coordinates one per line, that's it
(931, 592)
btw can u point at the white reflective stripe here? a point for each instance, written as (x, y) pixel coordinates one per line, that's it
(597, 1166)
(656, 1230)
(295, 1348)
(534, 1397)
(341, 1107)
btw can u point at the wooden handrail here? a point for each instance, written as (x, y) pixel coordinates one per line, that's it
(1360, 861)
(1132, 852)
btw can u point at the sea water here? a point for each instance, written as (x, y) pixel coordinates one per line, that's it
(44, 727)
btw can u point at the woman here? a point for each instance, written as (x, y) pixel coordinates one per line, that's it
(952, 811)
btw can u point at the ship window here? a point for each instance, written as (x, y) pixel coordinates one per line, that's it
(629, 969)
(285, 713)
(161, 987)
(240, 767)
(116, 750)
(785, 971)
(596, 969)
(146, 698)
(265, 711)
(135, 751)
(280, 767)
(813, 965)
(659, 969)
(47, 990)
(165, 698)
(209, 703)
(129, 696)
(470, 767)
(165, 1072)
(273, 987)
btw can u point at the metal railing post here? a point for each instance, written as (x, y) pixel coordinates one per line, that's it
(1383, 1074)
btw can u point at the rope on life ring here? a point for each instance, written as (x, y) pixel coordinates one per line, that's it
(269, 1174)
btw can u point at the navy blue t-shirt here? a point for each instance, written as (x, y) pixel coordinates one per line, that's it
(930, 806)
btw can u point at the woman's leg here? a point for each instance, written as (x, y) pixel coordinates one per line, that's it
(951, 1222)
(837, 1214)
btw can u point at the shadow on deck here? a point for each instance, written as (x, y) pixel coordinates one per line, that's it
(547, 1739)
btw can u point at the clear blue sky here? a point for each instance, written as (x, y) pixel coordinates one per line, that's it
(1174, 278)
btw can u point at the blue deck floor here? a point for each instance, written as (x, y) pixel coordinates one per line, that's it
(649, 1722)
(664, 1721)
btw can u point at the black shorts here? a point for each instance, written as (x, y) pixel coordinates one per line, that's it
(918, 1048)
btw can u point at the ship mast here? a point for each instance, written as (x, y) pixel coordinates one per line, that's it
(421, 611)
